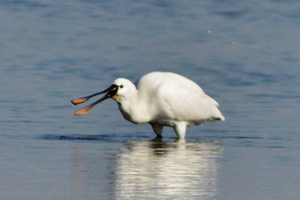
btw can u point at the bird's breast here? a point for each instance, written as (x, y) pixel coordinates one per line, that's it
(134, 114)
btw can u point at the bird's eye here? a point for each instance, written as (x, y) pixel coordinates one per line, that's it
(121, 86)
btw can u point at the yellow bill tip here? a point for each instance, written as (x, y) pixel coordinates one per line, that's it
(78, 101)
(82, 111)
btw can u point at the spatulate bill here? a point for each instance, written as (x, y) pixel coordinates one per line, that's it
(79, 101)
(83, 111)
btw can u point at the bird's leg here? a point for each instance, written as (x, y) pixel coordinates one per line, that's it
(180, 128)
(157, 129)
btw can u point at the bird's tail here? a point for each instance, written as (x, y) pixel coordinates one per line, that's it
(217, 113)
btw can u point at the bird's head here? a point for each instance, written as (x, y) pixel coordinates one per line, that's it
(125, 89)
(120, 89)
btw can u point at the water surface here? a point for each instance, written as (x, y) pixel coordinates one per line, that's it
(243, 54)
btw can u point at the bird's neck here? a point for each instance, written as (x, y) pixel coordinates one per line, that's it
(134, 110)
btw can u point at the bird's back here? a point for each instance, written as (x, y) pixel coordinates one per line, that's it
(170, 96)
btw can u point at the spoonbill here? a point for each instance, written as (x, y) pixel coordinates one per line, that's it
(160, 99)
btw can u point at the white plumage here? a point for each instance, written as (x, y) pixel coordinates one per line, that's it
(160, 99)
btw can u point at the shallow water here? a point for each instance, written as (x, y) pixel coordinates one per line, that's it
(243, 54)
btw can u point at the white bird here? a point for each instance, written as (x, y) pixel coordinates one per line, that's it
(160, 99)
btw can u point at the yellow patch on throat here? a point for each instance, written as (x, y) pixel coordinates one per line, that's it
(115, 97)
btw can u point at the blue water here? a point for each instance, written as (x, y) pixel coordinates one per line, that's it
(243, 54)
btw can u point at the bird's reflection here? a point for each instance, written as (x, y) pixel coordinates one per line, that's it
(167, 170)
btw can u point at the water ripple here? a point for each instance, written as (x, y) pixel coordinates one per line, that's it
(105, 138)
